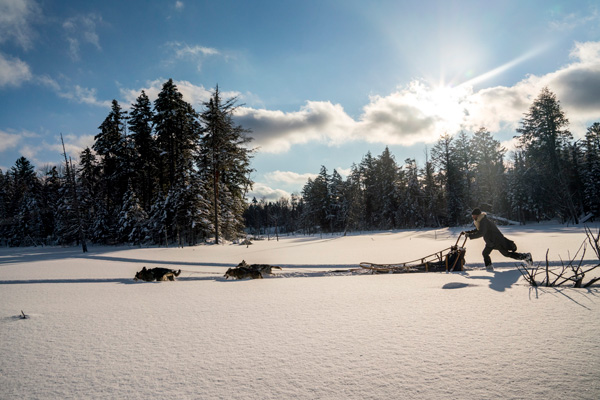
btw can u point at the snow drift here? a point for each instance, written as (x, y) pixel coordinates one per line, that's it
(305, 332)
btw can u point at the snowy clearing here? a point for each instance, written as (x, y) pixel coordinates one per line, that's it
(305, 332)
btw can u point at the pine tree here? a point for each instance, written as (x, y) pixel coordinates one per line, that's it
(131, 220)
(488, 171)
(432, 192)
(387, 176)
(115, 159)
(591, 169)
(355, 200)
(225, 159)
(339, 202)
(545, 140)
(369, 188)
(89, 174)
(463, 160)
(29, 221)
(520, 190)
(190, 208)
(316, 194)
(177, 134)
(450, 178)
(196, 208)
(156, 226)
(146, 156)
(313, 194)
(24, 208)
(412, 204)
(4, 207)
(50, 197)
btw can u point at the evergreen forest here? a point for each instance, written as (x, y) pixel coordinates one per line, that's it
(164, 173)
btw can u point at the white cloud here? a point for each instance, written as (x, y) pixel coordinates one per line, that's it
(194, 53)
(9, 140)
(420, 113)
(344, 172)
(35, 151)
(45, 80)
(262, 191)
(74, 144)
(572, 21)
(411, 115)
(184, 50)
(277, 131)
(16, 17)
(82, 29)
(576, 86)
(84, 96)
(179, 5)
(289, 177)
(13, 71)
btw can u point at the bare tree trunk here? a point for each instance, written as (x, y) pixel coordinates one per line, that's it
(71, 180)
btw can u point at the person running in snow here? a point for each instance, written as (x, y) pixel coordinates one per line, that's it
(494, 240)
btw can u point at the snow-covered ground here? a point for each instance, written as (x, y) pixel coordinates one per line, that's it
(94, 333)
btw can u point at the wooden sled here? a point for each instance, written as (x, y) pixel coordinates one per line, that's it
(447, 260)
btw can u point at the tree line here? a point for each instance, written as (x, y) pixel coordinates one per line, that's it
(164, 173)
(161, 173)
(548, 176)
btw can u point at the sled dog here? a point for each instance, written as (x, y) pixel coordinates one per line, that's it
(156, 274)
(242, 273)
(262, 268)
(245, 270)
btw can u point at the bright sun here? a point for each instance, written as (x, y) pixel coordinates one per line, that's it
(447, 103)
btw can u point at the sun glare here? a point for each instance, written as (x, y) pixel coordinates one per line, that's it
(447, 104)
(450, 104)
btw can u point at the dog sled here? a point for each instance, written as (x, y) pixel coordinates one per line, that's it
(447, 260)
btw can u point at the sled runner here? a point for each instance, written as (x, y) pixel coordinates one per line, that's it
(447, 260)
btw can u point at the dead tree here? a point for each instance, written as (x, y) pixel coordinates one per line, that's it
(573, 272)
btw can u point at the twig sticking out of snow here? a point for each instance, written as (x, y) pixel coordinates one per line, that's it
(572, 272)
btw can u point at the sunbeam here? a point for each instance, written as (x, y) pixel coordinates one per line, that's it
(503, 68)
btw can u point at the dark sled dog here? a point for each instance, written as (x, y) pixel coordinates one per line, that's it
(156, 274)
(242, 273)
(262, 268)
(245, 270)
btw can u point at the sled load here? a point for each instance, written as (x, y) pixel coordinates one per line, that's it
(447, 260)
(245, 270)
(156, 274)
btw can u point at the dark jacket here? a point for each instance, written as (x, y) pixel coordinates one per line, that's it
(491, 235)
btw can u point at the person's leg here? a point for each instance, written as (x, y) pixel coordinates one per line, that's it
(514, 255)
(486, 255)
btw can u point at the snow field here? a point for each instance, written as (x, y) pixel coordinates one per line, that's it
(94, 333)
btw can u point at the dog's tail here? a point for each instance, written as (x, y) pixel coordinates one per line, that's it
(177, 273)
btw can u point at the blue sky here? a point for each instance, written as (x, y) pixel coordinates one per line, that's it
(321, 82)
